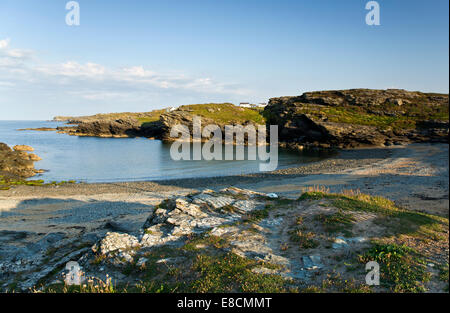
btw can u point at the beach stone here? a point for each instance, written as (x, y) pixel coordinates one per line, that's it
(339, 243)
(116, 241)
(357, 239)
(312, 262)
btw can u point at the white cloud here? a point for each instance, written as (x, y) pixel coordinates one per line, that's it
(93, 81)
(4, 43)
(7, 84)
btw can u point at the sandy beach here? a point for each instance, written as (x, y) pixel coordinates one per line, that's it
(414, 176)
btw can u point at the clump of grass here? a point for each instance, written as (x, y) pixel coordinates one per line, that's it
(444, 275)
(257, 215)
(304, 239)
(336, 222)
(232, 273)
(299, 220)
(335, 283)
(99, 258)
(402, 269)
(205, 240)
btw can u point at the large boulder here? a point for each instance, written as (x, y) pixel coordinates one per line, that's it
(17, 163)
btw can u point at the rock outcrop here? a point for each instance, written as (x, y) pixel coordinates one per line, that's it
(230, 240)
(17, 162)
(360, 117)
(105, 128)
(159, 129)
(339, 118)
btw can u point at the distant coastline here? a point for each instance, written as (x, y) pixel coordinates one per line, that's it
(323, 119)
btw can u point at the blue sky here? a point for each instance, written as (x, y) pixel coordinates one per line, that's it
(141, 55)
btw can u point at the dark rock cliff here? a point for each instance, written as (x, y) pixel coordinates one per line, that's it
(360, 117)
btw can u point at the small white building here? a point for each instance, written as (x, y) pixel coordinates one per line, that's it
(245, 105)
(251, 105)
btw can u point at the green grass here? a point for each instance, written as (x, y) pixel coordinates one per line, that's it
(206, 273)
(211, 241)
(443, 273)
(304, 239)
(225, 113)
(6, 182)
(397, 220)
(219, 112)
(150, 117)
(232, 273)
(335, 283)
(339, 222)
(140, 116)
(257, 215)
(402, 269)
(406, 116)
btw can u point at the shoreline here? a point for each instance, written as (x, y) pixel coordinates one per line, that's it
(76, 217)
(415, 177)
(344, 159)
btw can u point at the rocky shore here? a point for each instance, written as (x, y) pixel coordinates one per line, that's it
(174, 235)
(17, 162)
(340, 118)
(360, 117)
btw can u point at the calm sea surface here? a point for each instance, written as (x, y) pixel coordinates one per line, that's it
(91, 159)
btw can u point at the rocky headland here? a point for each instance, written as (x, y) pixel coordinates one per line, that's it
(360, 117)
(339, 118)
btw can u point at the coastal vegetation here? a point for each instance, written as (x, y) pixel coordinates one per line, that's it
(319, 223)
(7, 182)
